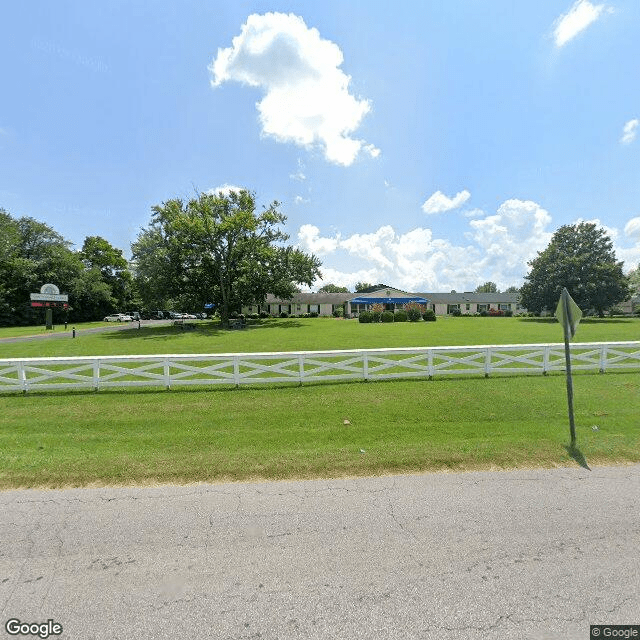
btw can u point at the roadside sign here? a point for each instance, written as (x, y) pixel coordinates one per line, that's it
(569, 314)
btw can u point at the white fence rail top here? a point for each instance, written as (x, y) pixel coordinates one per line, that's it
(167, 370)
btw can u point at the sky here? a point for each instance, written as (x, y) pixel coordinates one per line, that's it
(431, 146)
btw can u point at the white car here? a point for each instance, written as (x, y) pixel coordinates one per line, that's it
(118, 317)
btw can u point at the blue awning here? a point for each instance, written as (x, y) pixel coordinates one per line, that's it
(365, 300)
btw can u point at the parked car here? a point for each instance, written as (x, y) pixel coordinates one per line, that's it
(134, 315)
(189, 316)
(118, 317)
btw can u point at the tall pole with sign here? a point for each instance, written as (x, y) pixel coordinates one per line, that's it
(49, 296)
(568, 314)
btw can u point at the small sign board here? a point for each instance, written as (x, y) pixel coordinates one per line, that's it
(50, 293)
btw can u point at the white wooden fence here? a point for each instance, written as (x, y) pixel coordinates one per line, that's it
(99, 372)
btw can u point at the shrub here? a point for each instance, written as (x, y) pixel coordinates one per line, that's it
(263, 314)
(314, 314)
(233, 315)
(376, 316)
(484, 313)
(456, 312)
(508, 313)
(429, 315)
(253, 316)
(400, 315)
(496, 312)
(414, 311)
(387, 316)
(338, 313)
(284, 314)
(365, 317)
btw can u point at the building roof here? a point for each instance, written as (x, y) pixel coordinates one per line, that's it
(397, 295)
(312, 298)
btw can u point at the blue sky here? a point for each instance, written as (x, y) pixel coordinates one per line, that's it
(428, 145)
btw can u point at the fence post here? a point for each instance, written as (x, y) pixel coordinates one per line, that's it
(365, 366)
(545, 360)
(236, 370)
(487, 362)
(301, 367)
(430, 363)
(167, 376)
(603, 358)
(96, 375)
(22, 377)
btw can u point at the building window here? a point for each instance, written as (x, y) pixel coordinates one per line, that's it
(468, 307)
(453, 307)
(483, 307)
(314, 307)
(505, 307)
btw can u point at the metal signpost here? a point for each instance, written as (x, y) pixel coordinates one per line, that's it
(49, 297)
(568, 314)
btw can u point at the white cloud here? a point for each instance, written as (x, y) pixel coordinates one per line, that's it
(632, 228)
(498, 248)
(309, 238)
(300, 200)
(225, 189)
(630, 131)
(474, 213)
(439, 203)
(581, 14)
(307, 100)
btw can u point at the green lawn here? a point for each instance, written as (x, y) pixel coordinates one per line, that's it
(80, 439)
(40, 330)
(58, 439)
(310, 334)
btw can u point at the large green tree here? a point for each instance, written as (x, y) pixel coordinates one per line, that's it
(579, 257)
(487, 287)
(218, 248)
(98, 253)
(332, 288)
(31, 254)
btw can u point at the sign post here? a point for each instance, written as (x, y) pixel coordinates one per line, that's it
(568, 314)
(49, 294)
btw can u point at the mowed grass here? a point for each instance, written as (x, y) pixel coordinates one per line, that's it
(311, 334)
(41, 330)
(133, 437)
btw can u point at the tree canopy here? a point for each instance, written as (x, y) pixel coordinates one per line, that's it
(579, 257)
(217, 248)
(487, 287)
(32, 254)
(332, 288)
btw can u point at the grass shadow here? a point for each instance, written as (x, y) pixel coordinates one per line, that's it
(577, 455)
(552, 320)
(206, 329)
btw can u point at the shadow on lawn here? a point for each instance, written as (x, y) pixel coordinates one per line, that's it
(208, 329)
(552, 320)
(577, 455)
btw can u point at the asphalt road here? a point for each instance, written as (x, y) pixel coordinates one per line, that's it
(524, 554)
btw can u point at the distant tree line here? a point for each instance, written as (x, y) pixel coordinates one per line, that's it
(96, 278)
(216, 248)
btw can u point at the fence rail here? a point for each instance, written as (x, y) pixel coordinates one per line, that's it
(99, 372)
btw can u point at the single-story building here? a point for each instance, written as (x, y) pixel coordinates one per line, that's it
(324, 304)
(469, 303)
